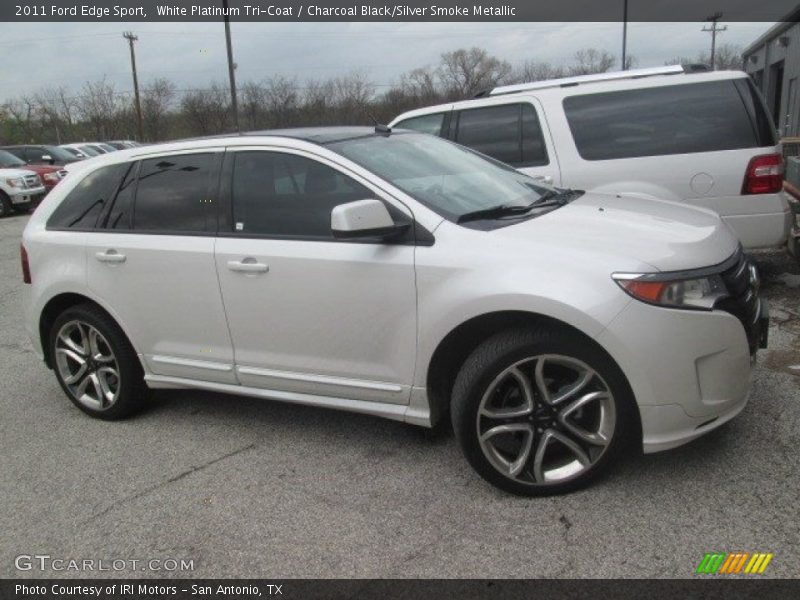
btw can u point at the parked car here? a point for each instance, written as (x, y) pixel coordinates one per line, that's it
(41, 154)
(399, 275)
(82, 150)
(49, 175)
(123, 144)
(702, 138)
(80, 154)
(20, 189)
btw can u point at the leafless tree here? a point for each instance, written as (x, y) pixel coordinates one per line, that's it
(465, 72)
(97, 105)
(282, 99)
(591, 60)
(207, 111)
(531, 70)
(158, 97)
(252, 105)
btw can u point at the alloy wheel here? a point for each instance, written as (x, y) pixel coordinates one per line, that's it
(546, 419)
(87, 365)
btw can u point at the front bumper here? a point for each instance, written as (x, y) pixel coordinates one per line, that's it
(690, 371)
(30, 196)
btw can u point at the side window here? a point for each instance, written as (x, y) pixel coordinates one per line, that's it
(87, 200)
(172, 193)
(431, 124)
(509, 133)
(676, 119)
(288, 195)
(34, 155)
(119, 217)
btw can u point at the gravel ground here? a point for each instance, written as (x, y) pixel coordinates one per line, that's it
(250, 488)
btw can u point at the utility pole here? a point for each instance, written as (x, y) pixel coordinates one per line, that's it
(714, 30)
(132, 38)
(625, 35)
(231, 66)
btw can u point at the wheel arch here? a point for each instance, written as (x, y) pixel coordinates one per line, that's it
(57, 305)
(454, 348)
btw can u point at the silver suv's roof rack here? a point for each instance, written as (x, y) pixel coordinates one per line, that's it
(579, 79)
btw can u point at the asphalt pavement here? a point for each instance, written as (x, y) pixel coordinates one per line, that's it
(249, 488)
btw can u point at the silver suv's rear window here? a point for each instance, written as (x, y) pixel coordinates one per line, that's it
(678, 119)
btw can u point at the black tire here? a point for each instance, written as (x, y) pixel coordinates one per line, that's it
(483, 368)
(131, 390)
(22, 208)
(6, 208)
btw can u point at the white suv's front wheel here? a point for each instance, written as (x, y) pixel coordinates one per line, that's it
(540, 411)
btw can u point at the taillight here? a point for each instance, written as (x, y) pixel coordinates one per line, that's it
(764, 175)
(26, 269)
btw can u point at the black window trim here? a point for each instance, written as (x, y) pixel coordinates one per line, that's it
(455, 123)
(417, 235)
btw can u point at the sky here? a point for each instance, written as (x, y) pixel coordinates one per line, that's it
(38, 55)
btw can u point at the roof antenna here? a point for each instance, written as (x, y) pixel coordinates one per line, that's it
(380, 128)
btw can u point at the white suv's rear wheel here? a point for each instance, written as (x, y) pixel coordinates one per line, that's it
(540, 411)
(95, 363)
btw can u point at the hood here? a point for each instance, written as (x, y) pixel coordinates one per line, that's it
(17, 172)
(668, 236)
(42, 169)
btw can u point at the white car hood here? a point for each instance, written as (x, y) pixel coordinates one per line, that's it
(668, 236)
(15, 173)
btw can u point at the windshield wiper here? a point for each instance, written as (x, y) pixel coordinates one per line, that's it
(494, 212)
(548, 199)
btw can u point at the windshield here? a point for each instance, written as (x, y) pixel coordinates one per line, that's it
(88, 151)
(449, 179)
(9, 161)
(59, 153)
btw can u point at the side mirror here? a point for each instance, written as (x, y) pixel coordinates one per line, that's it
(362, 219)
(47, 158)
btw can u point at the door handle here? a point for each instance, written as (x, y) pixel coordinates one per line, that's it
(248, 265)
(110, 256)
(544, 178)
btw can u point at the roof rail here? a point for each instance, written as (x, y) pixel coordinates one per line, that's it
(579, 79)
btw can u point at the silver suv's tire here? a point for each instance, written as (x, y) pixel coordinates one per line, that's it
(541, 411)
(95, 363)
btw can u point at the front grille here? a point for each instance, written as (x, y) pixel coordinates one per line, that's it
(742, 282)
(31, 181)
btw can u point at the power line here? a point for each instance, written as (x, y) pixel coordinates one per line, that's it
(131, 39)
(714, 30)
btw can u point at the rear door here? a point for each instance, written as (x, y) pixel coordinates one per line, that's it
(151, 261)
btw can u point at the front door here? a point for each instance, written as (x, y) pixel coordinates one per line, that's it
(308, 313)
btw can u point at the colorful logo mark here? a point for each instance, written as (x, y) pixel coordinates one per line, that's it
(732, 563)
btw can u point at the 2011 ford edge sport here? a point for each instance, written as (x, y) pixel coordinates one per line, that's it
(399, 275)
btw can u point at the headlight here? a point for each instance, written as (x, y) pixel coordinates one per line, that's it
(16, 182)
(53, 176)
(671, 290)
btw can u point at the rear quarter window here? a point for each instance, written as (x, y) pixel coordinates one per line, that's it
(679, 119)
(83, 205)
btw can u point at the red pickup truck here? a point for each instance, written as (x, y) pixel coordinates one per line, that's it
(49, 174)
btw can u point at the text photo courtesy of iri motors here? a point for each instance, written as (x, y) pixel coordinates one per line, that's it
(476, 300)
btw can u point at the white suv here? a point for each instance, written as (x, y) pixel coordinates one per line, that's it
(399, 275)
(703, 138)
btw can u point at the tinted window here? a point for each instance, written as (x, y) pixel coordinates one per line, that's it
(172, 193)
(288, 195)
(757, 108)
(18, 152)
(509, 133)
(425, 124)
(701, 117)
(9, 160)
(34, 155)
(119, 216)
(87, 200)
